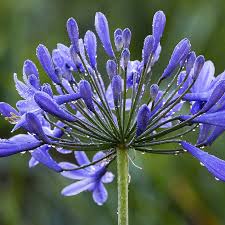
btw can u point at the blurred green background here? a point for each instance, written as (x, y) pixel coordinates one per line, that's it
(170, 189)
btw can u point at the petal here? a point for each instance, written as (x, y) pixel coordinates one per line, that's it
(8, 147)
(143, 119)
(41, 155)
(33, 162)
(34, 125)
(77, 187)
(208, 118)
(98, 156)
(213, 164)
(81, 158)
(23, 90)
(108, 177)
(100, 194)
(7, 110)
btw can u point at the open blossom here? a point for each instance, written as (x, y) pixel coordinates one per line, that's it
(78, 111)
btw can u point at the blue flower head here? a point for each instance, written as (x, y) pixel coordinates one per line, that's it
(81, 110)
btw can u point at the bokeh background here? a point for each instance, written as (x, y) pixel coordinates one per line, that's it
(169, 189)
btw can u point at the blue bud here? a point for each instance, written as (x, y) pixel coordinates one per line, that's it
(179, 54)
(116, 85)
(86, 94)
(47, 89)
(125, 57)
(126, 35)
(118, 32)
(118, 42)
(148, 48)
(102, 28)
(76, 59)
(111, 68)
(73, 32)
(57, 58)
(199, 63)
(46, 62)
(34, 81)
(154, 89)
(46, 103)
(30, 68)
(190, 61)
(143, 117)
(34, 126)
(91, 48)
(158, 25)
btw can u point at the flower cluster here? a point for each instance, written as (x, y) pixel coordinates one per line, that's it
(79, 113)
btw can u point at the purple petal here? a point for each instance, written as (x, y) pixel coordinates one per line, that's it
(77, 187)
(98, 156)
(61, 99)
(213, 164)
(107, 178)
(101, 26)
(35, 126)
(100, 194)
(81, 158)
(111, 68)
(41, 155)
(23, 90)
(208, 118)
(190, 61)
(44, 58)
(9, 147)
(33, 162)
(217, 93)
(7, 110)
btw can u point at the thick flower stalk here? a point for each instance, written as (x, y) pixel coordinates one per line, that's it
(115, 111)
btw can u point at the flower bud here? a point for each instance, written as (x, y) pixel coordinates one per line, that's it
(73, 32)
(148, 48)
(111, 68)
(154, 90)
(34, 126)
(125, 58)
(126, 36)
(86, 94)
(91, 47)
(29, 68)
(46, 62)
(46, 103)
(158, 25)
(118, 42)
(143, 117)
(179, 54)
(102, 28)
(116, 88)
(199, 62)
(190, 61)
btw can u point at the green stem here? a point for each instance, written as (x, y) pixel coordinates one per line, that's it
(122, 183)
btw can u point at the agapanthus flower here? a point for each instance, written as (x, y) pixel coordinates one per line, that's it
(77, 111)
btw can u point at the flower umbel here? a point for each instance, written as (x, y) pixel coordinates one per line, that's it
(79, 112)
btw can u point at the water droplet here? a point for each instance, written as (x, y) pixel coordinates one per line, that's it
(217, 179)
(202, 164)
(143, 153)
